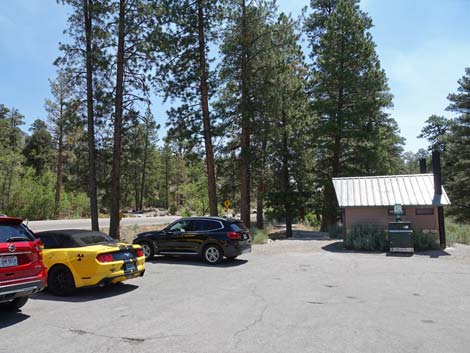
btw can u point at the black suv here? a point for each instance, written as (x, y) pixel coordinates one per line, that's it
(210, 237)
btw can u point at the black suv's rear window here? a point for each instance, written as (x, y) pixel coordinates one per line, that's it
(238, 227)
(14, 232)
(201, 225)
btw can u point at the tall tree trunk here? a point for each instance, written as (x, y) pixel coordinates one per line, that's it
(144, 166)
(259, 209)
(167, 190)
(2, 195)
(329, 207)
(261, 186)
(58, 182)
(330, 204)
(245, 157)
(285, 178)
(116, 168)
(205, 113)
(88, 10)
(136, 191)
(177, 183)
(10, 180)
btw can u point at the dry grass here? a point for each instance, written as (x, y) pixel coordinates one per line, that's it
(279, 231)
(129, 232)
(457, 233)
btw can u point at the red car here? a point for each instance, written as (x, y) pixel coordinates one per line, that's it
(22, 272)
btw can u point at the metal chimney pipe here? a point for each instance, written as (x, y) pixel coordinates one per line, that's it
(423, 169)
(436, 170)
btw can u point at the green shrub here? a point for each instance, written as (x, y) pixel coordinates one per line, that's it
(173, 209)
(335, 231)
(370, 238)
(311, 220)
(425, 241)
(271, 215)
(457, 232)
(367, 238)
(260, 236)
(74, 205)
(186, 212)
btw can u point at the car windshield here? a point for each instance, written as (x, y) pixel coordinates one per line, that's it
(92, 238)
(14, 232)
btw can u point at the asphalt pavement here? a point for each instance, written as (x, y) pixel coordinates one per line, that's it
(288, 296)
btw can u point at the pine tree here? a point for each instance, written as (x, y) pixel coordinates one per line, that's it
(457, 162)
(190, 29)
(139, 142)
(134, 31)
(61, 111)
(38, 151)
(435, 131)
(87, 57)
(244, 43)
(287, 108)
(349, 93)
(11, 144)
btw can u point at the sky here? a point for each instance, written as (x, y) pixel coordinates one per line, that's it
(423, 45)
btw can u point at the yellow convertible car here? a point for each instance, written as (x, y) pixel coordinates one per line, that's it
(81, 258)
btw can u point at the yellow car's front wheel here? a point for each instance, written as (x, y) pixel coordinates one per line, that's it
(60, 281)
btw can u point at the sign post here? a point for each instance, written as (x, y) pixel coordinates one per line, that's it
(227, 205)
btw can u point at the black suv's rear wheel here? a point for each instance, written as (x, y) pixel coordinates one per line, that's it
(147, 249)
(212, 254)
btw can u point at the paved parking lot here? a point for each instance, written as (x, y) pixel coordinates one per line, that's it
(290, 296)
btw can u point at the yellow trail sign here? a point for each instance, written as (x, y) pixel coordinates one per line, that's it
(227, 203)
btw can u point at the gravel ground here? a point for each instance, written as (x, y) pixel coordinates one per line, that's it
(287, 296)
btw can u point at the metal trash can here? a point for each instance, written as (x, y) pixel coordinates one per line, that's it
(400, 236)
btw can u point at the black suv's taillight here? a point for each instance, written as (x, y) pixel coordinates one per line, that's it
(234, 235)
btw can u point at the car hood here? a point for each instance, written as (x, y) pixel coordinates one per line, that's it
(148, 234)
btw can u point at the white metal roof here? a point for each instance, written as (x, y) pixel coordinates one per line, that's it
(388, 190)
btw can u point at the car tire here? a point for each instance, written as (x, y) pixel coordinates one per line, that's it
(60, 281)
(231, 258)
(148, 250)
(17, 303)
(212, 254)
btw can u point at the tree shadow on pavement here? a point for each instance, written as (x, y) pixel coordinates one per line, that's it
(433, 253)
(10, 318)
(194, 261)
(88, 294)
(300, 235)
(338, 247)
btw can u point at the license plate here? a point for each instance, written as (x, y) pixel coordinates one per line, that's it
(8, 261)
(132, 267)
